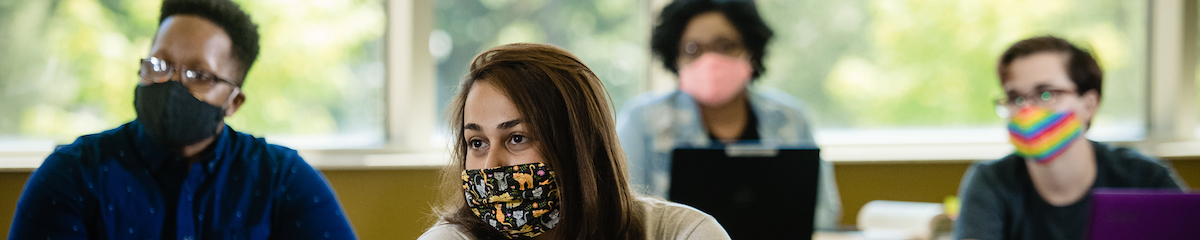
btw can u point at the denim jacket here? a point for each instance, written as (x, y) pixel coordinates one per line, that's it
(652, 125)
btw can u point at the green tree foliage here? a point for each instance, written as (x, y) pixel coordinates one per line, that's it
(931, 63)
(69, 66)
(610, 36)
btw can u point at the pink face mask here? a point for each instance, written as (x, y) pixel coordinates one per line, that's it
(714, 79)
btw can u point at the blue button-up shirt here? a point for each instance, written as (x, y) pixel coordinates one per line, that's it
(121, 185)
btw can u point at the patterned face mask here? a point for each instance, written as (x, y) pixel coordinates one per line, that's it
(1042, 135)
(520, 201)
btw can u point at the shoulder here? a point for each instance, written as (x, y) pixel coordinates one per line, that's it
(774, 98)
(87, 150)
(257, 148)
(1132, 166)
(668, 220)
(272, 161)
(1126, 158)
(443, 230)
(779, 110)
(1001, 173)
(662, 209)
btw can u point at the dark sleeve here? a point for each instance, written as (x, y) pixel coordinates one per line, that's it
(51, 205)
(308, 208)
(1165, 177)
(1150, 172)
(982, 213)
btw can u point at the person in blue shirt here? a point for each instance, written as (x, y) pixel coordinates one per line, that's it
(178, 172)
(716, 49)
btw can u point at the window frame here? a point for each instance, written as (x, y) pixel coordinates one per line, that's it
(415, 143)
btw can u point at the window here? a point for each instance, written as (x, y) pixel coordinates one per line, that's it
(924, 71)
(68, 68)
(899, 73)
(610, 36)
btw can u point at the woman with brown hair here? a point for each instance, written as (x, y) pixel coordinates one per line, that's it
(536, 156)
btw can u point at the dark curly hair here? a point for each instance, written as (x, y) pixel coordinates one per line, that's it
(743, 14)
(229, 16)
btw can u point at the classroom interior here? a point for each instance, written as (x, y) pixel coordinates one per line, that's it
(387, 185)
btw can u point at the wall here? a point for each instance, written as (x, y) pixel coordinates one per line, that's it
(394, 204)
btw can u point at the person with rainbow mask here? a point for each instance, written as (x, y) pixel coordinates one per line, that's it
(1043, 190)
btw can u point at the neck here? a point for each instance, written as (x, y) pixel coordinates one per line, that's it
(191, 152)
(1066, 179)
(726, 122)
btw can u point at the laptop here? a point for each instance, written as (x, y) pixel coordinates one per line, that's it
(755, 193)
(1144, 214)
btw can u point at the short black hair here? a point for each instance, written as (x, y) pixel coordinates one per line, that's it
(664, 41)
(226, 14)
(1081, 67)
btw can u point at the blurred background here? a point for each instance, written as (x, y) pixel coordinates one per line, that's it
(339, 80)
(68, 67)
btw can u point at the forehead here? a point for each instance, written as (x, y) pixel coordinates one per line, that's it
(1039, 70)
(488, 106)
(193, 41)
(710, 25)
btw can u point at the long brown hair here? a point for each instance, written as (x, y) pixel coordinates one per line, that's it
(570, 118)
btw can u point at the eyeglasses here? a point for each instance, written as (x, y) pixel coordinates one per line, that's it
(693, 50)
(1007, 105)
(200, 83)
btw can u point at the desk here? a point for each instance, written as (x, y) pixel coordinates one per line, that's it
(831, 235)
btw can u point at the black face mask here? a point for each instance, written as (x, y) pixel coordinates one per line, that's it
(172, 116)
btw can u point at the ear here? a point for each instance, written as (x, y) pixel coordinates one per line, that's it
(1091, 105)
(236, 104)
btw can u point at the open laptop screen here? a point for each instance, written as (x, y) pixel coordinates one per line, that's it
(755, 193)
(1144, 214)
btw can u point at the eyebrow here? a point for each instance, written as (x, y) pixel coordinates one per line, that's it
(503, 125)
(509, 124)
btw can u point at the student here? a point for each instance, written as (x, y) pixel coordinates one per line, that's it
(1043, 190)
(716, 49)
(178, 172)
(535, 156)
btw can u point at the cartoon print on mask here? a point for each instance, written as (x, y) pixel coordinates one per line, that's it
(527, 211)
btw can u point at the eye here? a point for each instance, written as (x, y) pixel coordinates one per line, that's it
(476, 144)
(518, 142)
(517, 139)
(691, 49)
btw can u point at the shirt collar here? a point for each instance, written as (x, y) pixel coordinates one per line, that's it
(156, 157)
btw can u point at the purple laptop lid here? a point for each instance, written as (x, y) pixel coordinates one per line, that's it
(1144, 214)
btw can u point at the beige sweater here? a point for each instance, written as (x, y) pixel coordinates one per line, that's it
(664, 220)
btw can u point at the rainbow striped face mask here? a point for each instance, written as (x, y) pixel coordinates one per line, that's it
(1041, 134)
